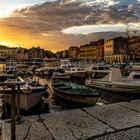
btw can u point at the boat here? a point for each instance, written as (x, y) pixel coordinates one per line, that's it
(112, 80)
(10, 67)
(74, 92)
(96, 68)
(135, 68)
(77, 72)
(61, 75)
(66, 64)
(30, 94)
(45, 71)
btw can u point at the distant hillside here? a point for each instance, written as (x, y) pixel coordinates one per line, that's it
(3, 47)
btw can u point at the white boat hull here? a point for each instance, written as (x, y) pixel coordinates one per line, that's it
(27, 101)
(121, 87)
(61, 76)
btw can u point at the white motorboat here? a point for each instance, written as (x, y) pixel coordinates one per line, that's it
(65, 64)
(96, 68)
(112, 80)
(30, 94)
(45, 70)
(10, 67)
(77, 72)
(62, 76)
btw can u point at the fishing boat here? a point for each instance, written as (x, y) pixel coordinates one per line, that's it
(112, 80)
(75, 92)
(30, 94)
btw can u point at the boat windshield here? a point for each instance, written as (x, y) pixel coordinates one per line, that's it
(136, 76)
(106, 68)
(101, 68)
(99, 75)
(94, 68)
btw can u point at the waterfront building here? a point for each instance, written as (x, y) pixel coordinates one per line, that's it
(18, 54)
(73, 52)
(58, 54)
(65, 53)
(134, 48)
(21, 54)
(3, 55)
(36, 52)
(116, 50)
(92, 51)
(53, 62)
(62, 54)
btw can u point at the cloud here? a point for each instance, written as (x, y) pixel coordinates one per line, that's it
(101, 28)
(52, 16)
(49, 19)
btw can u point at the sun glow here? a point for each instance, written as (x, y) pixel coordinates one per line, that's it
(8, 44)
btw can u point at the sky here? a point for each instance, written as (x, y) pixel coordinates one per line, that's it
(58, 24)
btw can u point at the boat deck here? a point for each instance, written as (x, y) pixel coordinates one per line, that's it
(111, 121)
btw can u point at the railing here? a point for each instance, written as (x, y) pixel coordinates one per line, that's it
(13, 86)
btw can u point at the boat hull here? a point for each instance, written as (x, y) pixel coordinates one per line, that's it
(81, 99)
(79, 74)
(62, 77)
(115, 87)
(27, 101)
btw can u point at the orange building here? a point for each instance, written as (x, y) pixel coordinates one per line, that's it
(116, 50)
(93, 51)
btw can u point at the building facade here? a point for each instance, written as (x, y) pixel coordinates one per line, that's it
(3, 55)
(73, 52)
(65, 54)
(21, 54)
(93, 51)
(116, 50)
(36, 52)
(134, 48)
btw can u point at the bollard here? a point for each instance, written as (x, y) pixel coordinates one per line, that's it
(13, 85)
(18, 117)
(13, 128)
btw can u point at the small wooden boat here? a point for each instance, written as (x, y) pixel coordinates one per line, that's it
(30, 95)
(75, 92)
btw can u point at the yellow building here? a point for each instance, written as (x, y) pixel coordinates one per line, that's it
(134, 48)
(115, 50)
(93, 51)
(19, 54)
